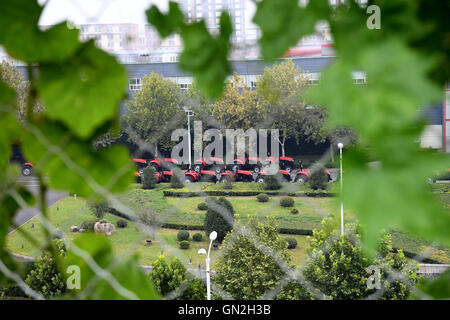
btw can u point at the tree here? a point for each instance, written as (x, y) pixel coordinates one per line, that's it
(244, 270)
(319, 179)
(148, 178)
(337, 266)
(281, 92)
(195, 290)
(220, 212)
(167, 276)
(154, 112)
(12, 76)
(44, 276)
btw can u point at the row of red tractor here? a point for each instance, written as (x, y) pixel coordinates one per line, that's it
(213, 169)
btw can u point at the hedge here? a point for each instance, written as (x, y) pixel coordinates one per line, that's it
(220, 193)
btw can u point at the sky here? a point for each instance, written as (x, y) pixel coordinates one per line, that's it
(107, 11)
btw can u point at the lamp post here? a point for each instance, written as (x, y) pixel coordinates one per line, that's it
(212, 237)
(189, 114)
(340, 146)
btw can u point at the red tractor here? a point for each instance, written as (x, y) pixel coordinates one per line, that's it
(248, 163)
(285, 163)
(213, 163)
(164, 167)
(303, 175)
(141, 164)
(285, 174)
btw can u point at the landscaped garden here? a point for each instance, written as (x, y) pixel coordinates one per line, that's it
(295, 221)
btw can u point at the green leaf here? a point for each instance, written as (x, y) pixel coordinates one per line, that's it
(25, 41)
(125, 270)
(166, 24)
(394, 195)
(73, 164)
(84, 91)
(283, 23)
(438, 288)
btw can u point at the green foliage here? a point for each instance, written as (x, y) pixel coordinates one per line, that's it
(244, 270)
(197, 237)
(98, 208)
(182, 235)
(184, 244)
(167, 275)
(88, 225)
(219, 217)
(204, 55)
(287, 202)
(175, 181)
(195, 290)
(292, 243)
(318, 180)
(437, 288)
(130, 278)
(294, 211)
(44, 276)
(228, 184)
(294, 291)
(262, 197)
(202, 206)
(122, 223)
(272, 182)
(154, 111)
(149, 178)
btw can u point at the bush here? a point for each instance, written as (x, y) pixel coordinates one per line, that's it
(88, 225)
(286, 202)
(292, 243)
(176, 183)
(195, 290)
(294, 211)
(272, 182)
(214, 221)
(184, 245)
(197, 237)
(122, 223)
(182, 235)
(318, 180)
(228, 183)
(202, 206)
(148, 178)
(262, 197)
(98, 208)
(167, 275)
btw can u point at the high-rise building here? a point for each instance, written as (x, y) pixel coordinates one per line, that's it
(112, 37)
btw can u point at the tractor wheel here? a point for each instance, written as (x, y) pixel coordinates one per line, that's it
(288, 168)
(260, 179)
(155, 166)
(189, 179)
(235, 167)
(256, 169)
(301, 178)
(26, 171)
(197, 167)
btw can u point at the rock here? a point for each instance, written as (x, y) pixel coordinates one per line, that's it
(105, 227)
(74, 229)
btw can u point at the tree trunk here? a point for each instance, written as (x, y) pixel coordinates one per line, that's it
(331, 152)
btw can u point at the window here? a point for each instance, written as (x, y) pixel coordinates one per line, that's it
(252, 84)
(359, 80)
(184, 86)
(135, 84)
(313, 82)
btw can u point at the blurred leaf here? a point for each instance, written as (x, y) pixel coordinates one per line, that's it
(125, 270)
(437, 288)
(283, 23)
(85, 91)
(8, 123)
(204, 55)
(166, 24)
(19, 21)
(390, 196)
(77, 167)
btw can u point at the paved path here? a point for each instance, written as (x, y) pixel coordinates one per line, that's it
(24, 215)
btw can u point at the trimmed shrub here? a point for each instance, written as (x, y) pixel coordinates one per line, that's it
(294, 211)
(286, 202)
(228, 183)
(122, 223)
(197, 237)
(184, 244)
(176, 183)
(292, 243)
(195, 290)
(148, 178)
(318, 180)
(262, 197)
(182, 235)
(202, 206)
(214, 220)
(88, 225)
(272, 182)
(98, 208)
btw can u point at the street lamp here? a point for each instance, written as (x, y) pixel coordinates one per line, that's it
(212, 237)
(340, 146)
(189, 114)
